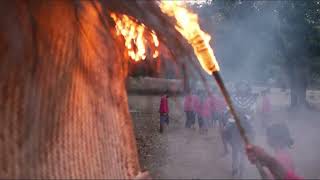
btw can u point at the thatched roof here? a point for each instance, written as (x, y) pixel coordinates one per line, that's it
(63, 100)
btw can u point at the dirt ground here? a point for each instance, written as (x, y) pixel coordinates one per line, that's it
(189, 155)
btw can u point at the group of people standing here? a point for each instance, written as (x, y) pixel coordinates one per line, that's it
(210, 110)
(203, 107)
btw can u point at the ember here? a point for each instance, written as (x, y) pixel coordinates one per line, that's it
(135, 36)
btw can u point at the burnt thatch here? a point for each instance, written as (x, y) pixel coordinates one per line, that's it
(154, 86)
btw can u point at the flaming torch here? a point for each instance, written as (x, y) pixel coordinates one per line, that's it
(188, 26)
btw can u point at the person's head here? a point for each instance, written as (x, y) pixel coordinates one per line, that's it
(166, 93)
(242, 88)
(279, 137)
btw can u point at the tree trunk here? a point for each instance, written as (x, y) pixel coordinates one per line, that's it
(298, 86)
(63, 102)
(297, 71)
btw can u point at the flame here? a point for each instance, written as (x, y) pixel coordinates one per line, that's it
(188, 26)
(156, 43)
(134, 36)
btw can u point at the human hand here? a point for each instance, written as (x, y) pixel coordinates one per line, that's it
(257, 154)
(143, 175)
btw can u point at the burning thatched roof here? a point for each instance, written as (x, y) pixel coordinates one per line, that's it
(149, 13)
(62, 94)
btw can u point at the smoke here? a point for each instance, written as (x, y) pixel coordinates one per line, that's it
(246, 41)
(244, 37)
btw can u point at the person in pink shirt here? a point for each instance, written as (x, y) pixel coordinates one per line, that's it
(279, 166)
(279, 138)
(164, 111)
(189, 109)
(218, 106)
(204, 113)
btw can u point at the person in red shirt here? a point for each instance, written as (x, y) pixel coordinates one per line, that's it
(164, 111)
(279, 166)
(197, 105)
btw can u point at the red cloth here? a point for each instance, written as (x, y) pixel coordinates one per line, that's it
(205, 110)
(266, 105)
(218, 103)
(285, 159)
(188, 102)
(292, 176)
(164, 108)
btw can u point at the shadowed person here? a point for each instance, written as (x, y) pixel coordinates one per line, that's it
(280, 165)
(231, 136)
(164, 112)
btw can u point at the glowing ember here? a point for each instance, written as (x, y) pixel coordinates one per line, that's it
(135, 35)
(188, 26)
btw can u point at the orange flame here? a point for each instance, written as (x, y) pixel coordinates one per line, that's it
(156, 43)
(133, 34)
(188, 26)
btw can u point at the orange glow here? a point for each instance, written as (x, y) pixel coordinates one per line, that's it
(135, 35)
(188, 26)
(156, 44)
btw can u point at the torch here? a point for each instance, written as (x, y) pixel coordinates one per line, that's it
(188, 26)
(205, 55)
(209, 64)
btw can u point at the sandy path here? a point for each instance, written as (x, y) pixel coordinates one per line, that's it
(194, 156)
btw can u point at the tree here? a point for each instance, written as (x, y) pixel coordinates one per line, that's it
(279, 33)
(295, 37)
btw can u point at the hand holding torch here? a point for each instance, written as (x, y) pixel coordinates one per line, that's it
(188, 26)
(209, 64)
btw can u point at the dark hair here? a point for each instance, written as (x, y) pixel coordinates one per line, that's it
(279, 136)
